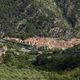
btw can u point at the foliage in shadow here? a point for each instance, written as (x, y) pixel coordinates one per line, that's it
(62, 60)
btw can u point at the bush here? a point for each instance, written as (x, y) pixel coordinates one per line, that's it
(78, 35)
(12, 58)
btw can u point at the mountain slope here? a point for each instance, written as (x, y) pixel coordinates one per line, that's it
(26, 18)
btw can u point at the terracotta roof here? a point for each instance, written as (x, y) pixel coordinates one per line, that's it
(49, 42)
(52, 42)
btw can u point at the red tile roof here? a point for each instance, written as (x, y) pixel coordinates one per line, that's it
(52, 42)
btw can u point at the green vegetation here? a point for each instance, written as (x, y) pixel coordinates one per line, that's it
(21, 18)
(59, 59)
(50, 65)
(43, 18)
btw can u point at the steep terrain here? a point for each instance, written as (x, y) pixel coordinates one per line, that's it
(39, 39)
(26, 18)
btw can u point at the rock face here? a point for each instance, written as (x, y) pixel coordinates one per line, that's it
(56, 32)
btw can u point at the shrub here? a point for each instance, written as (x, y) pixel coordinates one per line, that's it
(78, 35)
(12, 58)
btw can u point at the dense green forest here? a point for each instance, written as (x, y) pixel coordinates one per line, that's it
(25, 18)
(50, 65)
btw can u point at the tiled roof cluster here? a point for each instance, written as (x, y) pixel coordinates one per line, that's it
(52, 42)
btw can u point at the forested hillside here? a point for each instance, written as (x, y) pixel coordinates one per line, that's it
(39, 39)
(50, 18)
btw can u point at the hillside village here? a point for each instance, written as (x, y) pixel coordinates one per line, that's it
(52, 42)
(47, 42)
(39, 39)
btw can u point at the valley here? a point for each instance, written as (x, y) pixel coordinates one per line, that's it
(39, 39)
